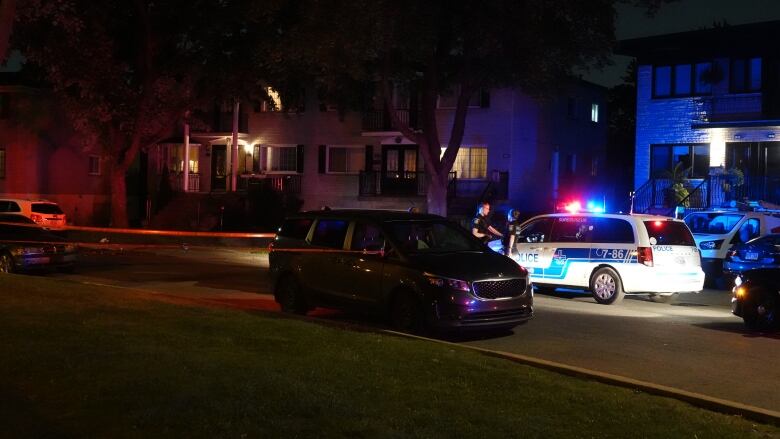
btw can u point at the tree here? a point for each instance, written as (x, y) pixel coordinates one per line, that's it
(7, 14)
(441, 47)
(621, 133)
(126, 73)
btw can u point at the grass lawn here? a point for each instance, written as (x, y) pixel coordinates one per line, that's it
(86, 361)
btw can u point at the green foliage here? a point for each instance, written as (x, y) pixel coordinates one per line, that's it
(677, 192)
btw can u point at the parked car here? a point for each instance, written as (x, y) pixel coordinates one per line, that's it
(43, 212)
(763, 252)
(419, 270)
(757, 297)
(610, 255)
(715, 231)
(26, 247)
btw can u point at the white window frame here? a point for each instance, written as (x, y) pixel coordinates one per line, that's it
(97, 159)
(362, 150)
(268, 157)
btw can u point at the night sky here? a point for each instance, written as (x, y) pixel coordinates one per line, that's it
(682, 16)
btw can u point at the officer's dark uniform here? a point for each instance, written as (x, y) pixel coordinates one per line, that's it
(512, 229)
(481, 224)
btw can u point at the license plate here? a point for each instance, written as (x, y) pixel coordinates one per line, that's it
(751, 256)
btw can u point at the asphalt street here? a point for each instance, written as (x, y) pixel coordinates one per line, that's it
(693, 343)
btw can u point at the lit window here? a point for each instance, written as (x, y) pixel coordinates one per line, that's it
(282, 159)
(94, 165)
(471, 162)
(745, 75)
(346, 159)
(594, 112)
(2, 163)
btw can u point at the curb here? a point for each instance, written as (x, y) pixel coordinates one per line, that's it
(758, 414)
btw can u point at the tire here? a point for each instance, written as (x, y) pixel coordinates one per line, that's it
(605, 286)
(660, 298)
(290, 297)
(761, 313)
(6, 263)
(406, 314)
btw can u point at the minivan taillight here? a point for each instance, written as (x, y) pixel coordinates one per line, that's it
(37, 218)
(644, 255)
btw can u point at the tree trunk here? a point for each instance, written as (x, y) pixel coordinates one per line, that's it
(437, 193)
(118, 197)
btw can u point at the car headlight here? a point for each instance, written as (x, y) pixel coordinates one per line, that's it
(441, 282)
(738, 281)
(711, 245)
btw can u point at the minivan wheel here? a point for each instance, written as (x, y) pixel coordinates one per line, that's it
(6, 263)
(761, 313)
(289, 296)
(406, 314)
(606, 287)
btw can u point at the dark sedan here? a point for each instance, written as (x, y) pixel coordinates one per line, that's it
(26, 247)
(762, 252)
(756, 298)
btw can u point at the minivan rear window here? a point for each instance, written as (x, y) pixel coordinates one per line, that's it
(669, 233)
(296, 228)
(46, 208)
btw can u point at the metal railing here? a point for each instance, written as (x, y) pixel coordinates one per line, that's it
(710, 192)
(194, 183)
(404, 183)
(379, 120)
(284, 183)
(729, 107)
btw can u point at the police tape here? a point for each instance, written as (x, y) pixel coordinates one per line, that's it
(178, 233)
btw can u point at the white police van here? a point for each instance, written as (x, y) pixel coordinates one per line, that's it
(610, 254)
(715, 231)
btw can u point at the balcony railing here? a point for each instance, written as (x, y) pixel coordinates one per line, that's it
(284, 183)
(406, 183)
(379, 120)
(724, 108)
(194, 183)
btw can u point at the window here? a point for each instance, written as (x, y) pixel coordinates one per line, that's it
(9, 206)
(94, 165)
(367, 237)
(571, 108)
(296, 228)
(669, 233)
(46, 208)
(346, 159)
(282, 159)
(745, 75)
(665, 157)
(471, 162)
(572, 229)
(2, 162)
(712, 223)
(537, 231)
(330, 233)
(683, 80)
(594, 113)
(750, 229)
(612, 230)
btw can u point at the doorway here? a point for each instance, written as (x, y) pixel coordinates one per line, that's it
(399, 170)
(219, 168)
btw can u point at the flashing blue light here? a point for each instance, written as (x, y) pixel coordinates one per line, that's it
(595, 208)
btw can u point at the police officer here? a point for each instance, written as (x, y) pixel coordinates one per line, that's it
(512, 231)
(480, 226)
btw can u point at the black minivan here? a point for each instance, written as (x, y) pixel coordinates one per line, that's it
(420, 270)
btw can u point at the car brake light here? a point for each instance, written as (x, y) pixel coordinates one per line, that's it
(37, 218)
(644, 255)
(271, 246)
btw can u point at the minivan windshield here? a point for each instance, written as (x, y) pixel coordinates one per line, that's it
(662, 232)
(431, 237)
(712, 223)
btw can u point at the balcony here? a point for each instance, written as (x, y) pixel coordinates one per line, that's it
(194, 184)
(730, 108)
(282, 183)
(379, 120)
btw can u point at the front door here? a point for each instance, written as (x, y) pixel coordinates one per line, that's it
(219, 167)
(399, 170)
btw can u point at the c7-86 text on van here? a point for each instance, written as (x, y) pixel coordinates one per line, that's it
(610, 255)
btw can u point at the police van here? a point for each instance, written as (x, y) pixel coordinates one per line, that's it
(610, 254)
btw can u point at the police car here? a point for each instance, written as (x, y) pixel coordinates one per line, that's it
(610, 254)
